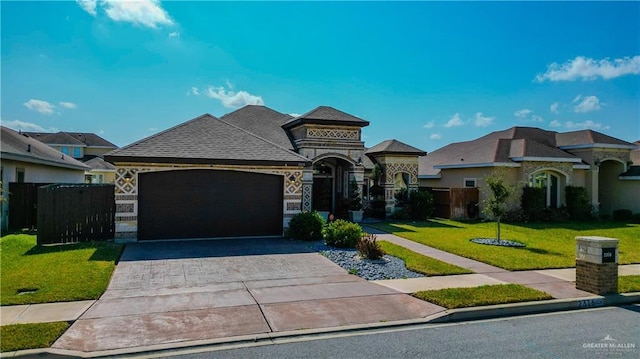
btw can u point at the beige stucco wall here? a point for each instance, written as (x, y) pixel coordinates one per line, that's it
(35, 173)
(615, 193)
(626, 195)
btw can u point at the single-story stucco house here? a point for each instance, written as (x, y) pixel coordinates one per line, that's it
(540, 158)
(25, 159)
(249, 172)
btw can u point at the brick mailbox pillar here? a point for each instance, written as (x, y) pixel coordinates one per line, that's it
(597, 264)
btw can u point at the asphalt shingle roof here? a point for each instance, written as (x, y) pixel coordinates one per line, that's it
(205, 139)
(22, 147)
(588, 137)
(496, 147)
(325, 115)
(99, 164)
(263, 122)
(394, 146)
(72, 139)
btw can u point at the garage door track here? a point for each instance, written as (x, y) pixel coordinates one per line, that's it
(183, 291)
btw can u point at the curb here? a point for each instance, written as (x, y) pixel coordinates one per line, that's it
(447, 316)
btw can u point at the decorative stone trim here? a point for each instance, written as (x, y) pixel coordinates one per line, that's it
(124, 208)
(307, 197)
(529, 168)
(331, 133)
(391, 169)
(126, 218)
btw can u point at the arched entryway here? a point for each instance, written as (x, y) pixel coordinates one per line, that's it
(331, 177)
(608, 182)
(553, 183)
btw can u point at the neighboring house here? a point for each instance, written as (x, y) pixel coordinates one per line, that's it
(85, 147)
(248, 172)
(27, 160)
(539, 158)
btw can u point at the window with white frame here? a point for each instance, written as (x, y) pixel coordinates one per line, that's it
(470, 182)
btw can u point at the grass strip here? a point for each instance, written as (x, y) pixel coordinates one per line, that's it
(30, 336)
(485, 295)
(629, 283)
(548, 244)
(420, 263)
(60, 273)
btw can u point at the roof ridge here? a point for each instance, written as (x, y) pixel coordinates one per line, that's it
(263, 139)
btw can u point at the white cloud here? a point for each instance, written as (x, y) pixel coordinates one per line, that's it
(570, 125)
(554, 107)
(174, 34)
(522, 114)
(589, 69)
(69, 105)
(527, 115)
(454, 121)
(147, 13)
(40, 106)
(483, 121)
(26, 126)
(435, 136)
(429, 124)
(232, 99)
(587, 104)
(88, 6)
(194, 91)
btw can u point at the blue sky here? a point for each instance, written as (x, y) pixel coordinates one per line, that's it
(425, 73)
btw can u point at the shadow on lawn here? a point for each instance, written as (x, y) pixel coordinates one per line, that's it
(574, 225)
(395, 226)
(104, 251)
(542, 251)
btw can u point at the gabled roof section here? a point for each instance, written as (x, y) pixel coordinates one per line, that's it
(205, 140)
(527, 150)
(263, 122)
(590, 139)
(325, 115)
(21, 147)
(82, 139)
(99, 164)
(395, 147)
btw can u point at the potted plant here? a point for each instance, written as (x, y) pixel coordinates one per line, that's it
(355, 202)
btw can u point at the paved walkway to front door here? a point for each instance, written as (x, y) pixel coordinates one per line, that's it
(184, 291)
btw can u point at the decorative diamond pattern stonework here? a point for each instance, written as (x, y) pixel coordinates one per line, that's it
(392, 168)
(333, 133)
(293, 187)
(306, 197)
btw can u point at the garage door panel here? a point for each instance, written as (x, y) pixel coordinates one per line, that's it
(208, 204)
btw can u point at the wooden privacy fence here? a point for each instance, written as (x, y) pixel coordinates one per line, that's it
(455, 203)
(23, 203)
(70, 213)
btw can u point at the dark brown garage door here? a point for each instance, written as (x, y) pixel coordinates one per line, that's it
(208, 204)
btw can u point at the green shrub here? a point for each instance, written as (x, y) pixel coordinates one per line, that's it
(369, 248)
(578, 205)
(376, 209)
(342, 234)
(635, 218)
(532, 202)
(515, 215)
(306, 226)
(622, 215)
(400, 214)
(420, 205)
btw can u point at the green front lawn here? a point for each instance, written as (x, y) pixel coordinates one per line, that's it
(419, 263)
(30, 336)
(548, 245)
(58, 273)
(629, 283)
(485, 295)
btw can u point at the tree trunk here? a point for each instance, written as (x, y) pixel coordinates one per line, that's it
(498, 229)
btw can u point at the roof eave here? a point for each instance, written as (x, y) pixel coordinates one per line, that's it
(304, 121)
(207, 161)
(477, 165)
(546, 159)
(598, 145)
(29, 159)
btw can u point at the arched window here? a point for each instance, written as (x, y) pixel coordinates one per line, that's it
(550, 182)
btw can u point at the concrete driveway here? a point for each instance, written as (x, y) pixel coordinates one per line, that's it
(164, 293)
